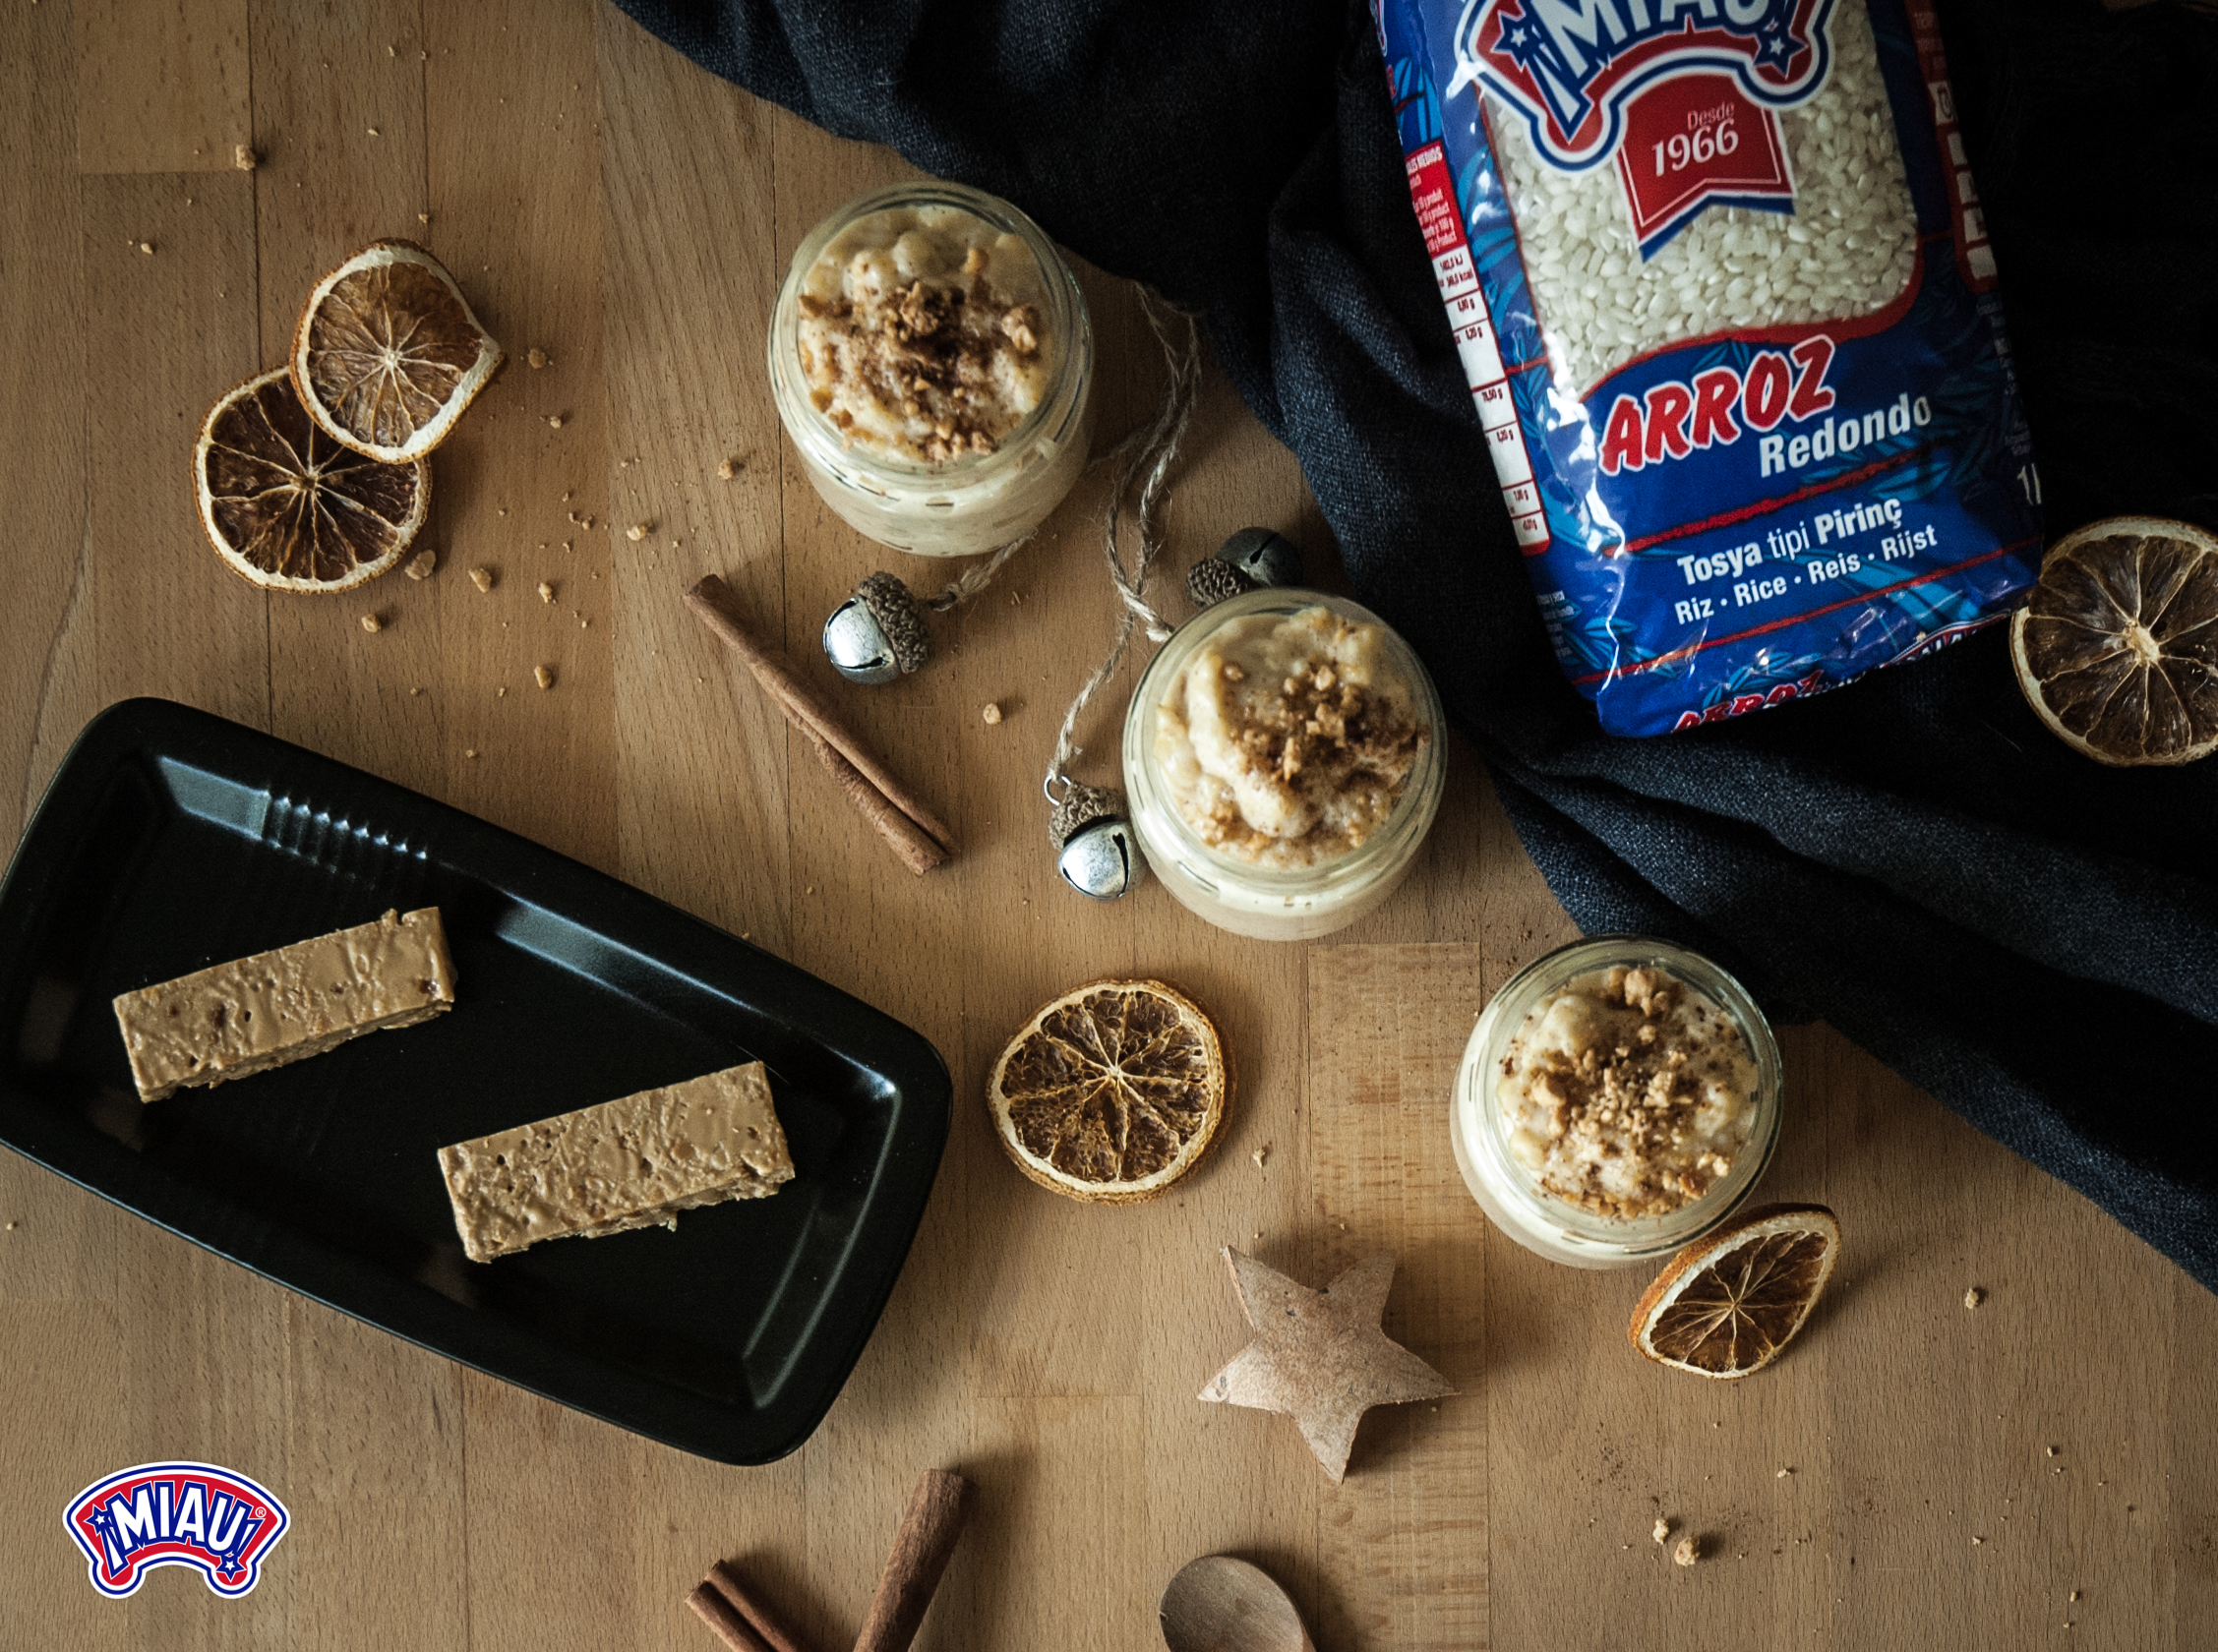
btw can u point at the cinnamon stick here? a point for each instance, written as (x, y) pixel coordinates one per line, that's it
(725, 1582)
(929, 1526)
(906, 838)
(723, 1621)
(716, 606)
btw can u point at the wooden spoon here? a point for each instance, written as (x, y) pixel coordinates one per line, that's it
(1218, 1604)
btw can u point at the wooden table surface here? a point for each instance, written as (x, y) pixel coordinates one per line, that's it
(2042, 1471)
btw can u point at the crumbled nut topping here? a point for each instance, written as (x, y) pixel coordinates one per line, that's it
(546, 592)
(1289, 741)
(544, 676)
(1688, 1552)
(244, 158)
(1974, 1296)
(482, 578)
(1627, 1093)
(421, 564)
(932, 352)
(1662, 1532)
(372, 623)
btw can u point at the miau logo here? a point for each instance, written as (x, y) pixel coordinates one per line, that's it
(1683, 95)
(191, 1514)
(1570, 67)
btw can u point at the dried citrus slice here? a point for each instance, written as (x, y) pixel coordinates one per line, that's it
(1730, 1300)
(291, 509)
(2117, 649)
(1111, 1092)
(387, 355)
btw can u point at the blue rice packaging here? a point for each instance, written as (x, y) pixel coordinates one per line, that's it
(1725, 299)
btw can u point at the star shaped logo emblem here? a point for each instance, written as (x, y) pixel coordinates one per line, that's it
(1773, 44)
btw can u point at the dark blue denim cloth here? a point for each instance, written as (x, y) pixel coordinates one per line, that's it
(2032, 937)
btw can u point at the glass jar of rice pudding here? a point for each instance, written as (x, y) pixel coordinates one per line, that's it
(932, 362)
(1283, 762)
(1619, 1098)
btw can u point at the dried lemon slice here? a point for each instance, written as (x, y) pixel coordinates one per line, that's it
(388, 354)
(289, 508)
(2118, 648)
(1111, 1092)
(1730, 1300)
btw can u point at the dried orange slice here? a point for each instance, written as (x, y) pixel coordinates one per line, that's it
(388, 354)
(2118, 648)
(1112, 1092)
(1730, 1300)
(289, 508)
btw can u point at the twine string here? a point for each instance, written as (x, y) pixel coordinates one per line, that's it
(976, 576)
(1149, 452)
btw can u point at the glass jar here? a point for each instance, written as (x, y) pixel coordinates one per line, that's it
(1508, 1192)
(962, 505)
(1268, 903)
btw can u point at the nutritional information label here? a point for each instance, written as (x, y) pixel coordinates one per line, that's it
(1431, 188)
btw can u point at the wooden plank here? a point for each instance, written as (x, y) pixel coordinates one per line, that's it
(1051, 1555)
(161, 84)
(375, 1482)
(325, 187)
(513, 169)
(42, 410)
(702, 764)
(166, 334)
(1402, 1542)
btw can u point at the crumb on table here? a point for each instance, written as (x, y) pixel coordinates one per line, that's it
(482, 578)
(1688, 1552)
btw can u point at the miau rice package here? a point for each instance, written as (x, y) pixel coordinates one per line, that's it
(1722, 285)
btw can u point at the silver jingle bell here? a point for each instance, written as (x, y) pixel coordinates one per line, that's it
(878, 633)
(1102, 861)
(1095, 849)
(1264, 556)
(857, 647)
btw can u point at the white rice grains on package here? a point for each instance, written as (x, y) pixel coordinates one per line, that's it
(1721, 286)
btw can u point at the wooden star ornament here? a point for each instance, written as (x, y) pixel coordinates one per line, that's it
(1320, 1357)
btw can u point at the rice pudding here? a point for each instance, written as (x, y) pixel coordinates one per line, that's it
(1626, 1092)
(924, 333)
(932, 362)
(1286, 738)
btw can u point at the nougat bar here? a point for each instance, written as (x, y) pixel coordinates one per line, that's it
(633, 1162)
(255, 1013)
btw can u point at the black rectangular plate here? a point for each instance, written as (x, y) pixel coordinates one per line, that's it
(172, 840)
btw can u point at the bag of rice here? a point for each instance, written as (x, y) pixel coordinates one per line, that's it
(1720, 281)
